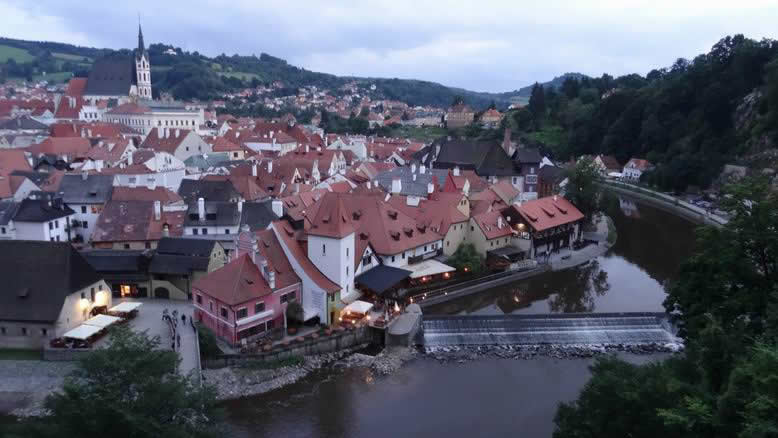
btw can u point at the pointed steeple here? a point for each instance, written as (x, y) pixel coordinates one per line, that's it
(141, 47)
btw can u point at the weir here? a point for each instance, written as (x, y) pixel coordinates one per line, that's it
(552, 329)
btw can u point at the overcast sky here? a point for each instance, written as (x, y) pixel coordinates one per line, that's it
(486, 45)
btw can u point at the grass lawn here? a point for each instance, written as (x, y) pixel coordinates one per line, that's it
(19, 354)
(240, 75)
(425, 134)
(19, 55)
(69, 57)
(54, 78)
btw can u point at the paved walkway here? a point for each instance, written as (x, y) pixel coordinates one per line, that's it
(149, 319)
(568, 258)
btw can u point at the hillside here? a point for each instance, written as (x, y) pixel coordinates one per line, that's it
(524, 92)
(689, 119)
(190, 75)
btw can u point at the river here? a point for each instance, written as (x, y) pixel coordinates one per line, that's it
(488, 397)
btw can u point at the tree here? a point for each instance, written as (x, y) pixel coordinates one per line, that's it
(294, 311)
(537, 102)
(582, 189)
(457, 100)
(129, 389)
(726, 303)
(467, 259)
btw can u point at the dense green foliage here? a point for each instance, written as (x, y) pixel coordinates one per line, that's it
(209, 347)
(130, 389)
(725, 302)
(582, 189)
(684, 118)
(467, 259)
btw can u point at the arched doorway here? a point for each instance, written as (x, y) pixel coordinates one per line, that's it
(161, 292)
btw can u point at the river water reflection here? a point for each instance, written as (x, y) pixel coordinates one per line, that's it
(488, 397)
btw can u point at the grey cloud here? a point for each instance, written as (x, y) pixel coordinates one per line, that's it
(490, 46)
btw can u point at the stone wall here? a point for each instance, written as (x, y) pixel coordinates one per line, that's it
(64, 354)
(326, 344)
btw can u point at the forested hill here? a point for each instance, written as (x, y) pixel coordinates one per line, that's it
(192, 75)
(690, 118)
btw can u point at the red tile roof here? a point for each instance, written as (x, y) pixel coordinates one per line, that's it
(162, 194)
(288, 236)
(549, 212)
(133, 221)
(236, 282)
(492, 224)
(74, 147)
(331, 218)
(157, 140)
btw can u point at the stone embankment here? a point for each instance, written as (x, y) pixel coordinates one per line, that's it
(236, 382)
(461, 354)
(24, 384)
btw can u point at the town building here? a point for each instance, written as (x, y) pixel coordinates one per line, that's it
(136, 225)
(181, 143)
(120, 78)
(545, 225)
(43, 219)
(459, 116)
(42, 303)
(86, 195)
(146, 115)
(247, 298)
(635, 168)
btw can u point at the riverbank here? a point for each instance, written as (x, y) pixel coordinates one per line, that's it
(24, 384)
(243, 381)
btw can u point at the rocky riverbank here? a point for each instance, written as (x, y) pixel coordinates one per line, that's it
(236, 382)
(461, 354)
(24, 384)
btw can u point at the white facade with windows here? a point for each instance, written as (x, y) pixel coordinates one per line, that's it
(52, 231)
(334, 258)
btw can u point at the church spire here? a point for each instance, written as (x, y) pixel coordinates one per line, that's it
(141, 47)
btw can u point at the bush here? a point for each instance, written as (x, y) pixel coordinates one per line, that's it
(294, 312)
(208, 345)
(466, 258)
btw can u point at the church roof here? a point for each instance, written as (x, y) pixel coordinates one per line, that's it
(111, 77)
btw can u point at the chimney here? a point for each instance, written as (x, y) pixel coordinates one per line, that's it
(278, 207)
(255, 253)
(254, 170)
(271, 279)
(396, 185)
(430, 188)
(177, 133)
(270, 166)
(555, 197)
(165, 230)
(157, 210)
(413, 168)
(422, 169)
(456, 170)
(307, 148)
(84, 175)
(414, 177)
(201, 209)
(240, 206)
(499, 222)
(369, 185)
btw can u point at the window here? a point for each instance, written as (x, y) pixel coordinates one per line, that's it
(531, 170)
(44, 332)
(425, 248)
(85, 224)
(241, 313)
(147, 245)
(199, 299)
(83, 295)
(392, 258)
(51, 225)
(472, 228)
(289, 297)
(259, 307)
(270, 325)
(346, 251)
(235, 155)
(367, 260)
(56, 224)
(323, 249)
(126, 246)
(224, 312)
(403, 255)
(83, 209)
(205, 231)
(2, 331)
(346, 271)
(2, 230)
(133, 180)
(24, 331)
(195, 231)
(226, 231)
(57, 238)
(51, 238)
(210, 305)
(92, 294)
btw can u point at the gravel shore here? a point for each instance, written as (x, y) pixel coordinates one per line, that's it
(236, 382)
(24, 384)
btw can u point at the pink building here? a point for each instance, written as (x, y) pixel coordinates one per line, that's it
(247, 297)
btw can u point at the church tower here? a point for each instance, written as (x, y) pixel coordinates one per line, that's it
(143, 68)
